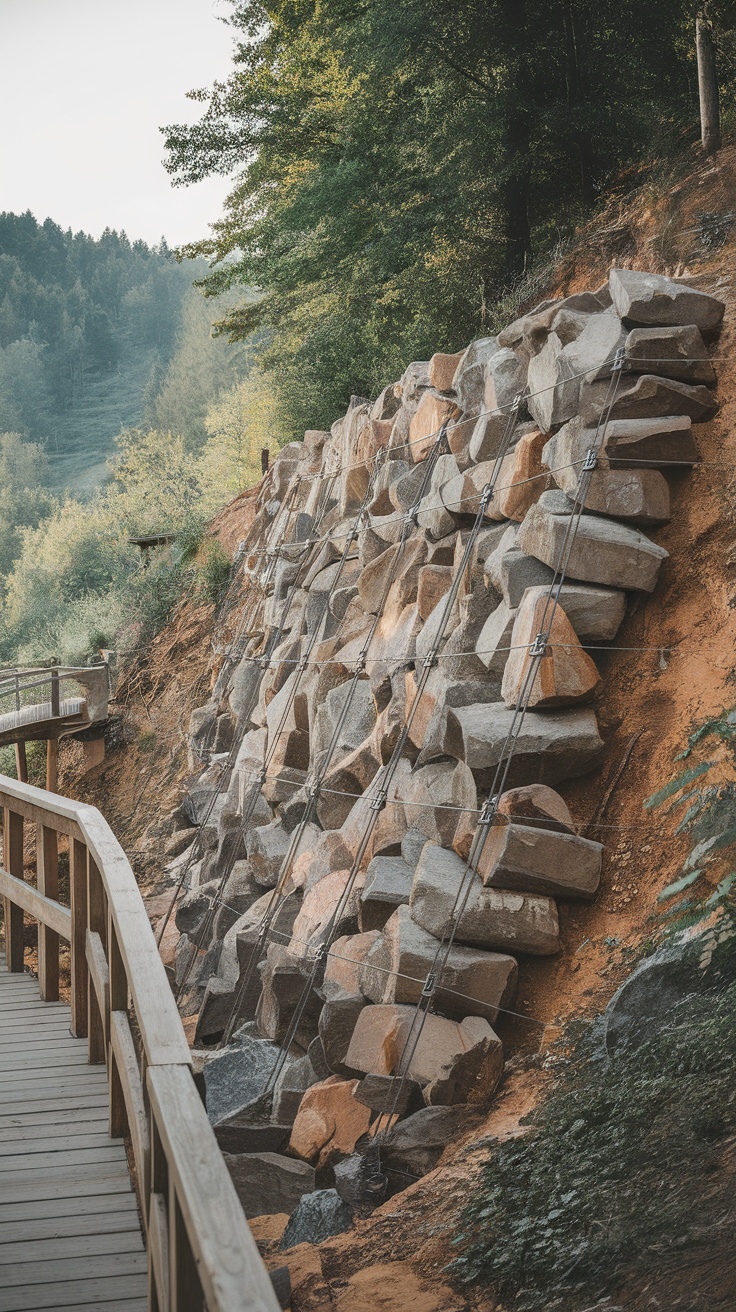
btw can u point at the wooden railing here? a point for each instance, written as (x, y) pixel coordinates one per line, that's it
(201, 1254)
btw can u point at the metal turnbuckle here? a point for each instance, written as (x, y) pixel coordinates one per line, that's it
(539, 646)
(488, 811)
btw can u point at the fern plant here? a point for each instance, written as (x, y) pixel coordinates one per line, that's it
(707, 791)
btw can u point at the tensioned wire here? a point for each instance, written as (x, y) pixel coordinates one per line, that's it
(316, 782)
(385, 776)
(252, 800)
(537, 652)
(272, 642)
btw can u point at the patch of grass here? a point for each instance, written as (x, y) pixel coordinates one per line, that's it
(619, 1164)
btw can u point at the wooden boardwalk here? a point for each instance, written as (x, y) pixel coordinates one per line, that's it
(70, 1235)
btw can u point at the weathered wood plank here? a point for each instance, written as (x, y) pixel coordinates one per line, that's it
(47, 868)
(28, 1142)
(51, 1216)
(82, 1294)
(13, 863)
(62, 1270)
(80, 1245)
(230, 1266)
(125, 1065)
(40, 907)
(64, 1159)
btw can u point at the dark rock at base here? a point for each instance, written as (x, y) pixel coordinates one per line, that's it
(267, 1183)
(236, 1077)
(252, 1138)
(416, 1144)
(281, 1280)
(382, 1094)
(317, 1216)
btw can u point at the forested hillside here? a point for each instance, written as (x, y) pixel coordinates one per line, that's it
(83, 324)
(120, 415)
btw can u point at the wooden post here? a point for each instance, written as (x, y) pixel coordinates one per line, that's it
(710, 112)
(118, 1002)
(21, 762)
(47, 869)
(13, 861)
(80, 980)
(97, 918)
(52, 765)
(185, 1289)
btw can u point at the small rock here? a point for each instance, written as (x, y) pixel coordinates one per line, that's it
(317, 1216)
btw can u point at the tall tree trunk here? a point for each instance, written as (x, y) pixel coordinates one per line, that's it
(710, 115)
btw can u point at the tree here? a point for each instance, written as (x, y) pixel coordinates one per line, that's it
(397, 165)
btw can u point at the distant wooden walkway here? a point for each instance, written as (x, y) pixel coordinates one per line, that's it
(70, 1235)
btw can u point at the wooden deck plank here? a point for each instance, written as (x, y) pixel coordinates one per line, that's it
(82, 1294)
(69, 1226)
(65, 1269)
(27, 1142)
(53, 1247)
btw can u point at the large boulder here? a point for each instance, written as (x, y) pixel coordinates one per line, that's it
(537, 805)
(650, 298)
(469, 379)
(522, 477)
(556, 371)
(414, 1146)
(550, 746)
(511, 571)
(387, 886)
(329, 1122)
(601, 551)
(540, 861)
(649, 397)
(432, 412)
(442, 370)
(474, 983)
(643, 443)
(505, 379)
(565, 674)
(639, 495)
(447, 1059)
(490, 918)
(678, 352)
(337, 1020)
(236, 1077)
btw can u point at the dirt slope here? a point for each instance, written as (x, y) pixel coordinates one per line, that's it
(680, 668)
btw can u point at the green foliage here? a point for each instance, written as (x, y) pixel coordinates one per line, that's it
(621, 1164)
(709, 821)
(213, 571)
(23, 499)
(397, 165)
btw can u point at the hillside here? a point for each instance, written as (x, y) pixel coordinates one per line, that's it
(88, 329)
(670, 669)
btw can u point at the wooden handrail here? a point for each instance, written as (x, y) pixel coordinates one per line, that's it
(201, 1254)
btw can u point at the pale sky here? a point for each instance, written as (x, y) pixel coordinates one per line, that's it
(84, 87)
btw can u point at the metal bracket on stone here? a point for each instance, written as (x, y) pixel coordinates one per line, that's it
(411, 516)
(380, 800)
(263, 662)
(263, 928)
(320, 964)
(431, 659)
(539, 646)
(361, 662)
(486, 497)
(488, 811)
(429, 988)
(619, 360)
(591, 460)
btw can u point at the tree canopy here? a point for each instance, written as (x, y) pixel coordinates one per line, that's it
(396, 165)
